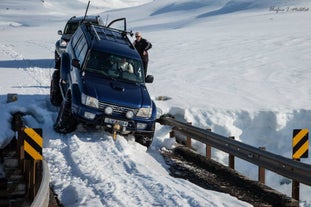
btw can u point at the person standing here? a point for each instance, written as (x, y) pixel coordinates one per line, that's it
(142, 46)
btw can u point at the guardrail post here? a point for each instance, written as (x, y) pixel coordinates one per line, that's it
(27, 175)
(32, 180)
(208, 149)
(20, 148)
(261, 171)
(188, 141)
(172, 133)
(25, 164)
(231, 157)
(296, 187)
(208, 152)
(35, 176)
(300, 150)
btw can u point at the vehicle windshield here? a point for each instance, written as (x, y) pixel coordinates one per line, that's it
(71, 27)
(115, 66)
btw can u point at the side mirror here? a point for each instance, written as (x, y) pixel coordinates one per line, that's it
(149, 79)
(75, 63)
(59, 32)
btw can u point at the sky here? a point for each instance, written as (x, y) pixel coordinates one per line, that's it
(239, 67)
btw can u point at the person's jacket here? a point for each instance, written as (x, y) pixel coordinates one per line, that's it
(141, 46)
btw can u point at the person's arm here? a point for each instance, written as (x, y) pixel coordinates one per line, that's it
(148, 45)
(130, 68)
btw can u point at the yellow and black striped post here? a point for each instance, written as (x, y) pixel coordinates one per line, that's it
(300, 150)
(300, 143)
(32, 149)
(33, 143)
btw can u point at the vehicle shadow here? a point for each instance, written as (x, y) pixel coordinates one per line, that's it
(27, 63)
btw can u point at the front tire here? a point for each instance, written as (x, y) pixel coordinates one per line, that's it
(65, 122)
(146, 138)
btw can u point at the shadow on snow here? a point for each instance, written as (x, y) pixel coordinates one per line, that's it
(27, 63)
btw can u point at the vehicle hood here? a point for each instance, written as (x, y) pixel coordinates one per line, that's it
(114, 91)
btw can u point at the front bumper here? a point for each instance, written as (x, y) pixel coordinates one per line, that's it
(96, 117)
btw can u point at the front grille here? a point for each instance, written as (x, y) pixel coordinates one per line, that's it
(117, 109)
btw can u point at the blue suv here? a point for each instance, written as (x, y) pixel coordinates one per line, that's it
(101, 82)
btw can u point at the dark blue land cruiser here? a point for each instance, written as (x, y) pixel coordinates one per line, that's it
(101, 82)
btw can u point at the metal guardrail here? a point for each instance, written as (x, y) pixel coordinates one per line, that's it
(42, 197)
(38, 189)
(289, 168)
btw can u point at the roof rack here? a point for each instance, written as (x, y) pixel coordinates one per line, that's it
(95, 32)
(101, 32)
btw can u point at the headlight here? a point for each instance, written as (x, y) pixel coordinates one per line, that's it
(144, 112)
(63, 43)
(108, 110)
(129, 114)
(89, 101)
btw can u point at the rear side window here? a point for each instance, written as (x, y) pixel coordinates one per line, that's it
(76, 38)
(81, 49)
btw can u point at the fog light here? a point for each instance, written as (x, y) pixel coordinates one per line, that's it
(89, 115)
(108, 110)
(141, 126)
(129, 114)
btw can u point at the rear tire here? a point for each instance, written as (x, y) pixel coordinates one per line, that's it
(55, 93)
(57, 61)
(65, 122)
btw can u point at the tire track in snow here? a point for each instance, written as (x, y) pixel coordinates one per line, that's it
(120, 173)
(7, 49)
(37, 74)
(66, 178)
(111, 174)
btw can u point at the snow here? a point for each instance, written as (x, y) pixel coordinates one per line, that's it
(239, 67)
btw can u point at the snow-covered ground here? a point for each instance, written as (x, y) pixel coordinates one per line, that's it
(239, 67)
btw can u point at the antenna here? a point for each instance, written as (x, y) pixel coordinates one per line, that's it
(87, 8)
(106, 19)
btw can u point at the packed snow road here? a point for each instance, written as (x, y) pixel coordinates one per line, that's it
(100, 171)
(87, 167)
